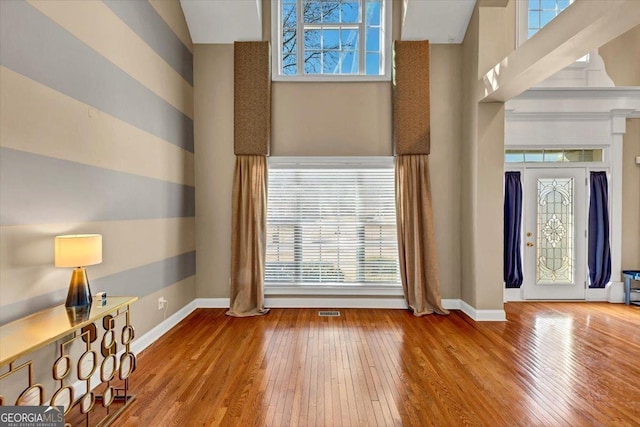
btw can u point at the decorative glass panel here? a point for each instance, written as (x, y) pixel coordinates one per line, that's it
(555, 256)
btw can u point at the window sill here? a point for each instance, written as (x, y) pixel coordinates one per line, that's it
(333, 290)
(330, 79)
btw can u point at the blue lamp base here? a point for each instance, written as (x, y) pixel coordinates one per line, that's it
(79, 294)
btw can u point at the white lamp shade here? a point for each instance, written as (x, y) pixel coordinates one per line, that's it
(78, 250)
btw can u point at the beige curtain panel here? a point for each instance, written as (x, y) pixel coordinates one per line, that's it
(248, 236)
(416, 241)
(411, 115)
(252, 98)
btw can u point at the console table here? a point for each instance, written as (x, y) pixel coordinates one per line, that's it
(629, 276)
(75, 327)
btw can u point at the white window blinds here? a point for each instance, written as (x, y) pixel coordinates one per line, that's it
(331, 222)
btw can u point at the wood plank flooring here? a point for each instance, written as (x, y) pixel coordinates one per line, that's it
(550, 364)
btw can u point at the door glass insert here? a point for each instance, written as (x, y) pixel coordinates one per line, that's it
(555, 218)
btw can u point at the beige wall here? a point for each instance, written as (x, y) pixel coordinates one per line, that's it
(318, 119)
(313, 119)
(331, 119)
(213, 124)
(496, 23)
(468, 156)
(485, 43)
(630, 199)
(446, 162)
(622, 58)
(309, 119)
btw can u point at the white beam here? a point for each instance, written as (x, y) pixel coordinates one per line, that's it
(582, 27)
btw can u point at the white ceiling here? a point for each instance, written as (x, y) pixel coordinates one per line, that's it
(226, 21)
(223, 21)
(439, 21)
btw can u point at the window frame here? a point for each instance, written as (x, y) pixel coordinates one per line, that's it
(385, 51)
(529, 150)
(522, 21)
(349, 289)
(522, 30)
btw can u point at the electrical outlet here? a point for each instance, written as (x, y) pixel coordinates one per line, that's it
(162, 302)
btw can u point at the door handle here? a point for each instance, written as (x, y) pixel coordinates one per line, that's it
(529, 244)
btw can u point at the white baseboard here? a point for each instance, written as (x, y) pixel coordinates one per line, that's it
(212, 302)
(331, 302)
(513, 294)
(483, 315)
(596, 294)
(615, 292)
(162, 328)
(451, 304)
(326, 302)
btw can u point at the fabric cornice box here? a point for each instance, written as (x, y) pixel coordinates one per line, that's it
(411, 115)
(252, 98)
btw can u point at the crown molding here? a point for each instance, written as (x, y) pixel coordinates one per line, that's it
(574, 104)
(581, 93)
(560, 116)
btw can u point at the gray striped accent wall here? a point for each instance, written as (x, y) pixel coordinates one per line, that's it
(96, 136)
(38, 189)
(36, 47)
(145, 21)
(146, 280)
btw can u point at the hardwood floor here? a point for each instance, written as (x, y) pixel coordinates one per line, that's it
(550, 364)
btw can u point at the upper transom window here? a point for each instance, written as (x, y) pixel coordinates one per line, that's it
(554, 155)
(331, 39)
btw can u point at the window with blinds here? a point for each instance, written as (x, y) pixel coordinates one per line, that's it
(331, 222)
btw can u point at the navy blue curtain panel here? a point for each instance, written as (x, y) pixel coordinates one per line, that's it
(512, 224)
(599, 249)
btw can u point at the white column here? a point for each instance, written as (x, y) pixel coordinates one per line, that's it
(618, 129)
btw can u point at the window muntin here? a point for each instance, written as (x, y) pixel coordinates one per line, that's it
(331, 38)
(535, 14)
(331, 224)
(572, 155)
(541, 12)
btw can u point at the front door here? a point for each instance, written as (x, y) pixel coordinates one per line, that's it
(554, 233)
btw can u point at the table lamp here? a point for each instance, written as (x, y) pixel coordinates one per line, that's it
(78, 251)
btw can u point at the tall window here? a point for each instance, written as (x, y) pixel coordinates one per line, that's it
(331, 222)
(332, 37)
